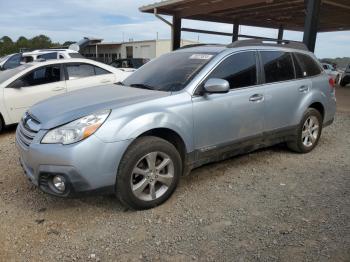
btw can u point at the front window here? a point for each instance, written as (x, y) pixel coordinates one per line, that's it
(238, 69)
(41, 76)
(170, 72)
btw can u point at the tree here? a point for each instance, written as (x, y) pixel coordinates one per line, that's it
(40, 41)
(22, 43)
(6, 45)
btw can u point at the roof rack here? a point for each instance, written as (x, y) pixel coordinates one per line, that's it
(197, 45)
(269, 42)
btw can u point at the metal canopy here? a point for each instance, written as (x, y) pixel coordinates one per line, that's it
(334, 14)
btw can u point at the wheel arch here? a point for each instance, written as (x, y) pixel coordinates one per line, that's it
(171, 136)
(319, 107)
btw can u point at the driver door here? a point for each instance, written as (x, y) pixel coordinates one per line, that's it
(35, 86)
(224, 120)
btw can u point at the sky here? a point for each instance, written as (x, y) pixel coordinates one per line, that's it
(118, 20)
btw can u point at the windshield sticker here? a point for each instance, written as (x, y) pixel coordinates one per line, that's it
(201, 56)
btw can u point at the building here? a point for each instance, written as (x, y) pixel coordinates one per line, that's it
(309, 16)
(108, 51)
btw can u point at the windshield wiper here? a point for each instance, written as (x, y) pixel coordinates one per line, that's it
(143, 86)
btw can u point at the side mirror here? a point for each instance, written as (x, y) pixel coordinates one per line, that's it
(216, 86)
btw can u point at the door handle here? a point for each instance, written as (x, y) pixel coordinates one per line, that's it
(58, 88)
(105, 81)
(304, 89)
(256, 98)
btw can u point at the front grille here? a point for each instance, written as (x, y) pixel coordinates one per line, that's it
(27, 129)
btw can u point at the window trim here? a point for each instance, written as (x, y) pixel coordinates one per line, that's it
(197, 91)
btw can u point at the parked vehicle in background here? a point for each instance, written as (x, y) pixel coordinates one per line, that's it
(179, 111)
(50, 54)
(28, 84)
(332, 72)
(129, 63)
(10, 61)
(345, 78)
(15, 60)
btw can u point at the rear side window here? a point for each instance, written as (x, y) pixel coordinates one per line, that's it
(101, 71)
(278, 66)
(239, 70)
(41, 76)
(77, 71)
(305, 66)
(48, 56)
(76, 55)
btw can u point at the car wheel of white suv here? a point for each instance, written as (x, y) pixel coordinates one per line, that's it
(148, 173)
(308, 132)
(2, 124)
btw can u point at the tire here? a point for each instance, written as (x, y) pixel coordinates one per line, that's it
(344, 81)
(337, 80)
(135, 180)
(306, 138)
(2, 124)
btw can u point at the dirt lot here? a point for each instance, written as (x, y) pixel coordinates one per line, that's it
(271, 205)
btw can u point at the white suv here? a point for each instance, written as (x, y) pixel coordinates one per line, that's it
(50, 54)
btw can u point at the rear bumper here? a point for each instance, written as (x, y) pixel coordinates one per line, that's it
(88, 166)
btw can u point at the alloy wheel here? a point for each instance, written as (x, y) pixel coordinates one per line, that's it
(152, 176)
(310, 131)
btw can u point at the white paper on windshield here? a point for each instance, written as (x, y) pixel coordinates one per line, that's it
(201, 56)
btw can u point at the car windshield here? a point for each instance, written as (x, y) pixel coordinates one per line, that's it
(5, 75)
(170, 72)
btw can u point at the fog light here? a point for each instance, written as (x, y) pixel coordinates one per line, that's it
(59, 183)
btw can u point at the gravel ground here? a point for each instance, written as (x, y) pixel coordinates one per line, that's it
(270, 205)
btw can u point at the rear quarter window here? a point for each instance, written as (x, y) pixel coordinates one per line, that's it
(305, 66)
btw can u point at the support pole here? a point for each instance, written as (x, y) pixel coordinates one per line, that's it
(235, 31)
(311, 23)
(280, 33)
(176, 32)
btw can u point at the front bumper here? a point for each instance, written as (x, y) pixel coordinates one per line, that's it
(90, 165)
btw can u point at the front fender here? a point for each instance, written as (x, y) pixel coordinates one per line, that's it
(129, 123)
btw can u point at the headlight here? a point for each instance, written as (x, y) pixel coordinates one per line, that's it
(77, 130)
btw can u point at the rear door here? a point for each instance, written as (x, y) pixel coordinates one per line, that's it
(223, 119)
(82, 75)
(283, 92)
(37, 85)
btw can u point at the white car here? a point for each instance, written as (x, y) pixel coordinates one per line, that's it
(26, 85)
(332, 73)
(49, 54)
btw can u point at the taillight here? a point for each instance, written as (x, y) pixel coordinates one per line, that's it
(331, 83)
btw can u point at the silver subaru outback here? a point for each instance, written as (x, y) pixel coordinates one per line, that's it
(187, 108)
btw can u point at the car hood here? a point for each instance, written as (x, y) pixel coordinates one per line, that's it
(65, 108)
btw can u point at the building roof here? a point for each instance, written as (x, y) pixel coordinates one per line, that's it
(263, 13)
